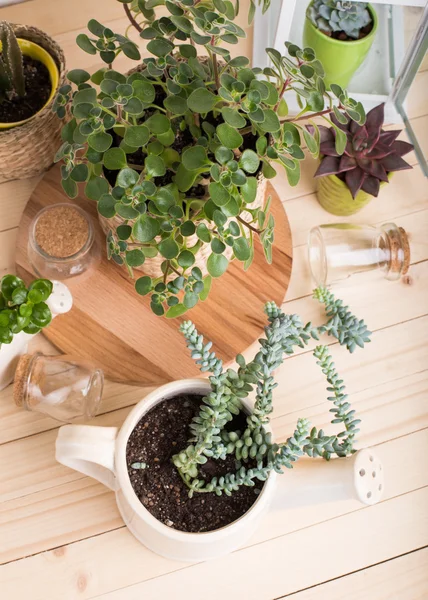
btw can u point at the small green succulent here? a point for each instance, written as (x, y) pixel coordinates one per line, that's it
(12, 82)
(22, 308)
(211, 439)
(171, 152)
(339, 15)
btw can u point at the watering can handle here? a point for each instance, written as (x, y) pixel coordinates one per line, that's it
(89, 450)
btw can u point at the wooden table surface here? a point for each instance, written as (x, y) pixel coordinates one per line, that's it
(61, 536)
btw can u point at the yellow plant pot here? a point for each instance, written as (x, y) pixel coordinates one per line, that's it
(37, 53)
(334, 196)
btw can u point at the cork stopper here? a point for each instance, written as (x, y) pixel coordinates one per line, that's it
(61, 231)
(21, 379)
(406, 250)
(28, 371)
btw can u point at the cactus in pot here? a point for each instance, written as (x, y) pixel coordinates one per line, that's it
(11, 64)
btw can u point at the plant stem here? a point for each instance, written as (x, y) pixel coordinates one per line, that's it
(281, 93)
(216, 76)
(244, 222)
(303, 117)
(165, 275)
(131, 18)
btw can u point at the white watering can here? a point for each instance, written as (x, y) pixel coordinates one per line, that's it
(60, 301)
(100, 452)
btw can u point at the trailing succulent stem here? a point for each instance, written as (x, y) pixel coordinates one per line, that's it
(12, 82)
(173, 152)
(211, 440)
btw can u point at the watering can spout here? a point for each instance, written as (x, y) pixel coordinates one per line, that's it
(315, 481)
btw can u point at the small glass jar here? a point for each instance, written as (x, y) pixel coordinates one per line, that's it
(61, 387)
(338, 251)
(61, 266)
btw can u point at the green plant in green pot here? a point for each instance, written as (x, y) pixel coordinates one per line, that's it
(177, 151)
(341, 33)
(347, 182)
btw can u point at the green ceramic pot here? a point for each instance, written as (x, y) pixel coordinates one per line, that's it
(340, 59)
(334, 196)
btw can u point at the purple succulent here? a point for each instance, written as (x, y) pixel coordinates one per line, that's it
(370, 153)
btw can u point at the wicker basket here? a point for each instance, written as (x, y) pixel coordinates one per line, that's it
(29, 149)
(152, 266)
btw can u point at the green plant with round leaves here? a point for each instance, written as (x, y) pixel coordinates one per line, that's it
(212, 434)
(172, 153)
(22, 308)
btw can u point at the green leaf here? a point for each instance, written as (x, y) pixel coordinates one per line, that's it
(70, 187)
(169, 248)
(292, 130)
(293, 175)
(249, 190)
(340, 116)
(217, 246)
(282, 108)
(80, 172)
(271, 122)
(100, 141)
(190, 299)
(115, 159)
(127, 178)
(203, 233)
(223, 155)
(143, 285)
(233, 117)
(207, 286)
(160, 47)
(86, 96)
(144, 91)
(176, 105)
(185, 178)
(164, 200)
(96, 187)
(146, 228)
(228, 136)
(85, 43)
(217, 264)
(155, 166)
(311, 143)
(268, 171)
(194, 158)
(106, 206)
(78, 76)
(241, 249)
(126, 211)
(202, 100)
(158, 124)
(182, 23)
(218, 194)
(187, 228)
(137, 135)
(186, 259)
(124, 232)
(249, 161)
(176, 311)
(135, 258)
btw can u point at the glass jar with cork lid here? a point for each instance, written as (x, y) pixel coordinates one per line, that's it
(61, 241)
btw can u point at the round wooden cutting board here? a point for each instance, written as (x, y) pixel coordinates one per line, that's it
(114, 327)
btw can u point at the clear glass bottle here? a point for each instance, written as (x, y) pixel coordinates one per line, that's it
(52, 266)
(339, 250)
(61, 387)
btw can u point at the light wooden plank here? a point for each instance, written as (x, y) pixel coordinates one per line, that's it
(403, 578)
(303, 558)
(13, 198)
(91, 559)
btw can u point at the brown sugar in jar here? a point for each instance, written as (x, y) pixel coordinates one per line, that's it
(60, 241)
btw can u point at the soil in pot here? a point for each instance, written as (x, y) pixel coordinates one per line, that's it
(163, 432)
(341, 35)
(37, 91)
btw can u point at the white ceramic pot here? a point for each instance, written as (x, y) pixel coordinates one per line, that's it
(59, 302)
(100, 452)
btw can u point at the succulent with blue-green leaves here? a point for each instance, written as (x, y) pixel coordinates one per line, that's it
(256, 454)
(331, 16)
(172, 152)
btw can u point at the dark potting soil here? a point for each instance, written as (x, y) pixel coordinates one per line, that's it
(37, 90)
(163, 432)
(341, 35)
